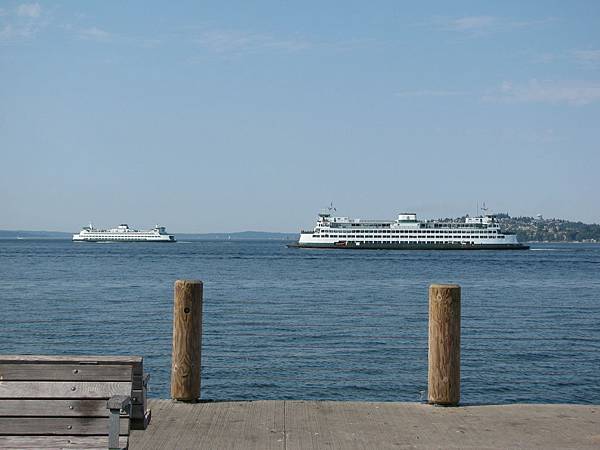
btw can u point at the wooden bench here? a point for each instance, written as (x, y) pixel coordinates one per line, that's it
(71, 401)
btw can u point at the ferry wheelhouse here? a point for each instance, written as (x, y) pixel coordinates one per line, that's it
(123, 234)
(408, 233)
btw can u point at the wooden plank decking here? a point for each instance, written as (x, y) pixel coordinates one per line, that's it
(278, 424)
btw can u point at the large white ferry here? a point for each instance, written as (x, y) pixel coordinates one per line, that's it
(123, 234)
(408, 233)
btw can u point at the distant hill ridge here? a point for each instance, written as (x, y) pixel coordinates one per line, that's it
(26, 234)
(537, 229)
(239, 235)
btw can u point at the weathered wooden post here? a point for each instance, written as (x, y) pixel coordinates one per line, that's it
(187, 340)
(444, 344)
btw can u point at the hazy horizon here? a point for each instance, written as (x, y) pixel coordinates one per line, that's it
(217, 118)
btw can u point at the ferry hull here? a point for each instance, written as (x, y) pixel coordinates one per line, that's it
(393, 246)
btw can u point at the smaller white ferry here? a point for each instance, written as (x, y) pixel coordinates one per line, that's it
(123, 234)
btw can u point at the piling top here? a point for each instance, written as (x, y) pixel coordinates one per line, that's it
(444, 286)
(188, 281)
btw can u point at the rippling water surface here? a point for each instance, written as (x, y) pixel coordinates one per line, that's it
(285, 323)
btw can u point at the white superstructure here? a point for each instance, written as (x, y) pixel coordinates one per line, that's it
(406, 232)
(123, 234)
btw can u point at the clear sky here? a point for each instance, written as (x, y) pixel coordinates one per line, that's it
(229, 116)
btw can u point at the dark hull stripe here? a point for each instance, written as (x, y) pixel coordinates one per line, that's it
(386, 246)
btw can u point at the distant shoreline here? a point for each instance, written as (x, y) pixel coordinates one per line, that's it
(238, 236)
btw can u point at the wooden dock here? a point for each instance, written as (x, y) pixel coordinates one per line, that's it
(279, 424)
(320, 425)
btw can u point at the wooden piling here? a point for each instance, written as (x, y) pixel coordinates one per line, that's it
(444, 344)
(187, 340)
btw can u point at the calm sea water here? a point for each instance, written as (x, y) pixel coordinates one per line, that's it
(285, 323)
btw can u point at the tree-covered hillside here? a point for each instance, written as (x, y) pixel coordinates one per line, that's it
(551, 230)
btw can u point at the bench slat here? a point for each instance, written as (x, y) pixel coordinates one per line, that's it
(58, 442)
(136, 362)
(63, 389)
(70, 359)
(64, 372)
(62, 408)
(58, 425)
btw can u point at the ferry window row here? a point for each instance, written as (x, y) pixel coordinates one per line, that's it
(410, 231)
(454, 238)
(419, 232)
(446, 236)
(414, 242)
(118, 237)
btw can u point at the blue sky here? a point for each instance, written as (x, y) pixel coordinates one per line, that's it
(231, 116)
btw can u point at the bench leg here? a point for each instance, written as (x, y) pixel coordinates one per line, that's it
(114, 429)
(115, 405)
